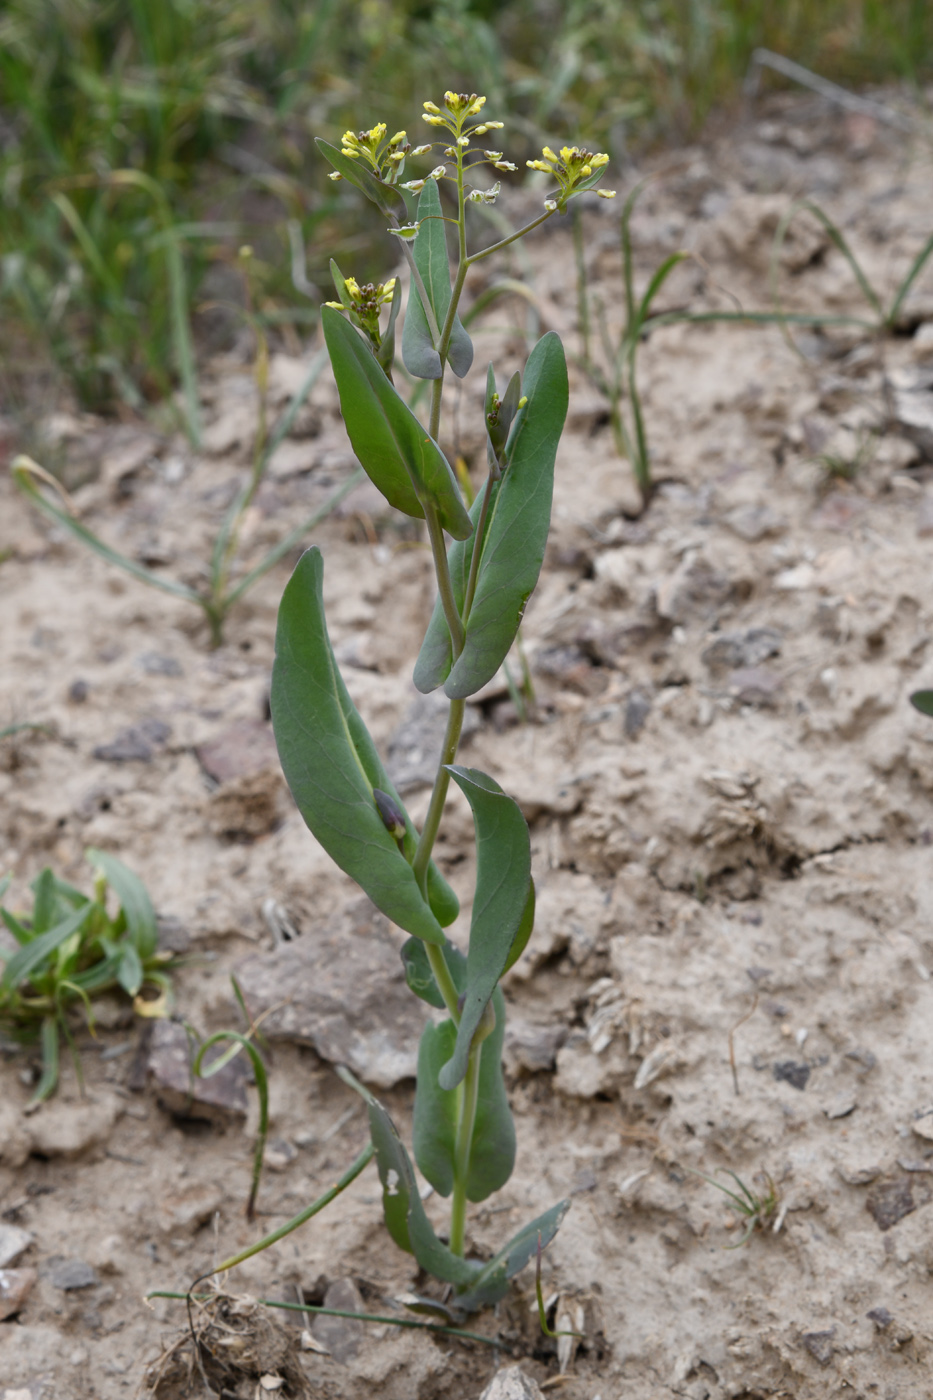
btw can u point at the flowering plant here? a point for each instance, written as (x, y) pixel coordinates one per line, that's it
(487, 560)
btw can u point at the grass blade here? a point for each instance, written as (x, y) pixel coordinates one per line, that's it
(26, 471)
(262, 1086)
(909, 281)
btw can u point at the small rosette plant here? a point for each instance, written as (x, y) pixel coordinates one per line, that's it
(487, 560)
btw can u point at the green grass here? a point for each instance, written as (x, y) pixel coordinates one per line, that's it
(213, 107)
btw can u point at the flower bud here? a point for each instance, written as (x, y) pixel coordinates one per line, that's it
(392, 817)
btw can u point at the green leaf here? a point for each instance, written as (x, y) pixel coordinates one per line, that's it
(434, 1130)
(922, 700)
(524, 930)
(50, 1046)
(25, 960)
(514, 544)
(134, 901)
(418, 973)
(385, 197)
(385, 355)
(404, 1214)
(493, 1283)
(503, 876)
(331, 764)
(436, 655)
(44, 903)
(419, 350)
(129, 970)
(393, 447)
(18, 930)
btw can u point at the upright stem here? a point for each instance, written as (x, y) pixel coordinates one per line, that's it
(439, 794)
(462, 1149)
(444, 585)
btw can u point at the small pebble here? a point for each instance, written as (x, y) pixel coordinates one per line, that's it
(70, 1274)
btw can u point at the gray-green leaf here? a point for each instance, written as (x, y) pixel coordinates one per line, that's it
(503, 878)
(419, 350)
(331, 764)
(434, 1129)
(393, 446)
(515, 540)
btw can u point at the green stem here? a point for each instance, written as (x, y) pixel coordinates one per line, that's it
(463, 1147)
(342, 1312)
(477, 551)
(445, 983)
(444, 585)
(349, 1176)
(504, 242)
(432, 821)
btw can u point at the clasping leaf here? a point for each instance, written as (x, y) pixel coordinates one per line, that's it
(503, 882)
(395, 449)
(332, 766)
(429, 250)
(514, 539)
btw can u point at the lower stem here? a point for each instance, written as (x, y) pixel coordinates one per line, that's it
(462, 1149)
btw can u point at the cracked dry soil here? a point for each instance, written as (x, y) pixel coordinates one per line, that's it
(730, 805)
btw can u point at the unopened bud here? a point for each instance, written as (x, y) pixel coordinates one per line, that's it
(392, 816)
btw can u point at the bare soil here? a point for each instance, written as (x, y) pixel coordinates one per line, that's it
(730, 804)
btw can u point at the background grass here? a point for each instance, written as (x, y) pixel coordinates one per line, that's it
(217, 103)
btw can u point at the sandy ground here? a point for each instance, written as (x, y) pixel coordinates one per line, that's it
(730, 804)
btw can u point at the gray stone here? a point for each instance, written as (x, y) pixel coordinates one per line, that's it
(695, 590)
(340, 1335)
(13, 1243)
(71, 1274)
(341, 989)
(168, 1066)
(155, 664)
(792, 1073)
(136, 744)
(820, 1345)
(732, 651)
(532, 1048)
(637, 710)
(755, 685)
(754, 523)
(240, 751)
(511, 1383)
(890, 1201)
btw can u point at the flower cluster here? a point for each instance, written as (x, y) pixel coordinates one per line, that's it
(456, 116)
(364, 304)
(574, 170)
(385, 158)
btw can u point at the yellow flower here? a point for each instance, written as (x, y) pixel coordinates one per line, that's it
(573, 171)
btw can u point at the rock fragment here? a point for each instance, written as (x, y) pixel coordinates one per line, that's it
(69, 1129)
(241, 750)
(169, 1061)
(820, 1345)
(71, 1274)
(748, 647)
(341, 989)
(136, 744)
(511, 1383)
(340, 1335)
(15, 1286)
(13, 1243)
(792, 1073)
(890, 1201)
